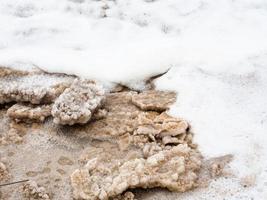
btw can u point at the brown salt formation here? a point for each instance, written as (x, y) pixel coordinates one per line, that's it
(161, 149)
(130, 142)
(174, 168)
(154, 100)
(78, 103)
(13, 135)
(125, 196)
(28, 112)
(126, 123)
(33, 191)
(4, 174)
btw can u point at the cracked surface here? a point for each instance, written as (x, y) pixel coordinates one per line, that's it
(78, 103)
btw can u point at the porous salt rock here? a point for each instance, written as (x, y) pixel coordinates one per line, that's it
(175, 169)
(32, 190)
(125, 119)
(4, 174)
(145, 156)
(125, 196)
(28, 112)
(78, 103)
(154, 100)
(99, 114)
(12, 136)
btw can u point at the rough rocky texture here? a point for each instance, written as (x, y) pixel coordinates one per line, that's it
(4, 174)
(31, 87)
(32, 191)
(13, 135)
(174, 168)
(28, 112)
(127, 124)
(158, 152)
(129, 142)
(125, 196)
(154, 100)
(78, 103)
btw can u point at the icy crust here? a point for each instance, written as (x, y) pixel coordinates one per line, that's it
(174, 168)
(31, 87)
(154, 100)
(78, 103)
(28, 112)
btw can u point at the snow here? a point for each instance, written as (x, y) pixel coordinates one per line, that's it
(217, 52)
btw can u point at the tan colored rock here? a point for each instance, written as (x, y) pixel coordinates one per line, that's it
(169, 169)
(28, 112)
(124, 118)
(152, 148)
(125, 196)
(161, 125)
(4, 174)
(153, 100)
(78, 103)
(13, 136)
(33, 191)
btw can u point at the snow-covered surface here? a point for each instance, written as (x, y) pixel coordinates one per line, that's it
(217, 52)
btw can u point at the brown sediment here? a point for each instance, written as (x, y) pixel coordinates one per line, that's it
(119, 141)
